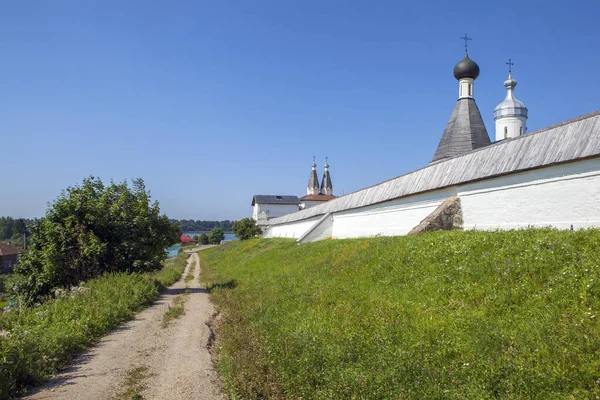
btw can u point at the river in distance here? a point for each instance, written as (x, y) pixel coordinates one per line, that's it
(228, 236)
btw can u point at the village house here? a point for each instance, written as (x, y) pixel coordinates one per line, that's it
(188, 241)
(9, 257)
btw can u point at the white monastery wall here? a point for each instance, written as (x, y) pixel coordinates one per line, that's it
(291, 230)
(392, 218)
(319, 231)
(560, 196)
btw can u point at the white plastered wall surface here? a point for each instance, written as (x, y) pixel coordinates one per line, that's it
(274, 210)
(392, 218)
(291, 230)
(561, 196)
(558, 196)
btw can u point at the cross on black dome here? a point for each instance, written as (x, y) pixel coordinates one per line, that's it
(466, 68)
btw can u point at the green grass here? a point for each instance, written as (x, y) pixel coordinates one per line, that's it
(134, 383)
(190, 275)
(175, 311)
(446, 315)
(36, 342)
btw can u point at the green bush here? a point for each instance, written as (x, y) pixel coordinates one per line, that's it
(37, 341)
(454, 315)
(246, 228)
(216, 236)
(92, 229)
(203, 238)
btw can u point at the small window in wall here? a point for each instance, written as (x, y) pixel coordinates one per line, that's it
(470, 91)
(505, 132)
(521, 132)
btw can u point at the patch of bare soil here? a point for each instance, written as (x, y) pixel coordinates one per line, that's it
(175, 361)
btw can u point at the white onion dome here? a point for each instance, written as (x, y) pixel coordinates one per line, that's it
(510, 106)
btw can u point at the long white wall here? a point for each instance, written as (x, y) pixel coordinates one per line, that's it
(319, 231)
(293, 230)
(560, 196)
(392, 218)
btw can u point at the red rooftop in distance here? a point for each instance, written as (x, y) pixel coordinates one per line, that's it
(187, 241)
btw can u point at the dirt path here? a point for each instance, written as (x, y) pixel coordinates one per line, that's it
(143, 357)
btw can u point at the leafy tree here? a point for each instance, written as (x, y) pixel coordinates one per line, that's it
(246, 228)
(216, 235)
(10, 227)
(92, 229)
(19, 227)
(203, 238)
(6, 227)
(17, 240)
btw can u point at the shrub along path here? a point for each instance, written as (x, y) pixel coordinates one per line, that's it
(143, 358)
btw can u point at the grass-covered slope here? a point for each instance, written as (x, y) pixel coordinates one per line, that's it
(443, 315)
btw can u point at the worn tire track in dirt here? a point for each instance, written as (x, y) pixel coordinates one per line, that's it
(177, 360)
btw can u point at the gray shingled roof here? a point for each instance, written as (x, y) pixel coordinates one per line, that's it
(273, 199)
(313, 181)
(568, 141)
(326, 182)
(465, 131)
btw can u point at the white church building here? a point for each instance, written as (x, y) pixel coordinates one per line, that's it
(550, 177)
(267, 207)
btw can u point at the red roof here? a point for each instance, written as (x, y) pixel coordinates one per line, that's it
(317, 197)
(8, 250)
(187, 239)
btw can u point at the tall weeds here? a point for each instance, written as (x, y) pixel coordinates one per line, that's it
(36, 342)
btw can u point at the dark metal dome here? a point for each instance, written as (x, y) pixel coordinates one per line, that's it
(466, 68)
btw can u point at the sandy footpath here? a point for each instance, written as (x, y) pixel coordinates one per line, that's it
(175, 360)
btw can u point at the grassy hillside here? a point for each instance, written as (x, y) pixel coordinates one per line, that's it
(443, 315)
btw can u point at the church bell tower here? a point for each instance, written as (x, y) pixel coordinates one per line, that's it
(313, 180)
(326, 185)
(510, 115)
(465, 130)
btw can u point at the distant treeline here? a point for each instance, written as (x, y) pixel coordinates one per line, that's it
(14, 226)
(189, 225)
(13, 229)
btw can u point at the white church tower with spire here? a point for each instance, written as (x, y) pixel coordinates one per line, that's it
(326, 185)
(313, 180)
(511, 114)
(316, 194)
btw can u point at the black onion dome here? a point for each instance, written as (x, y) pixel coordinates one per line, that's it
(466, 68)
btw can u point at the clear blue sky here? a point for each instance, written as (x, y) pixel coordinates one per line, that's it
(211, 102)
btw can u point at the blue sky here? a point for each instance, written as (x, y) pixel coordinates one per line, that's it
(211, 102)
